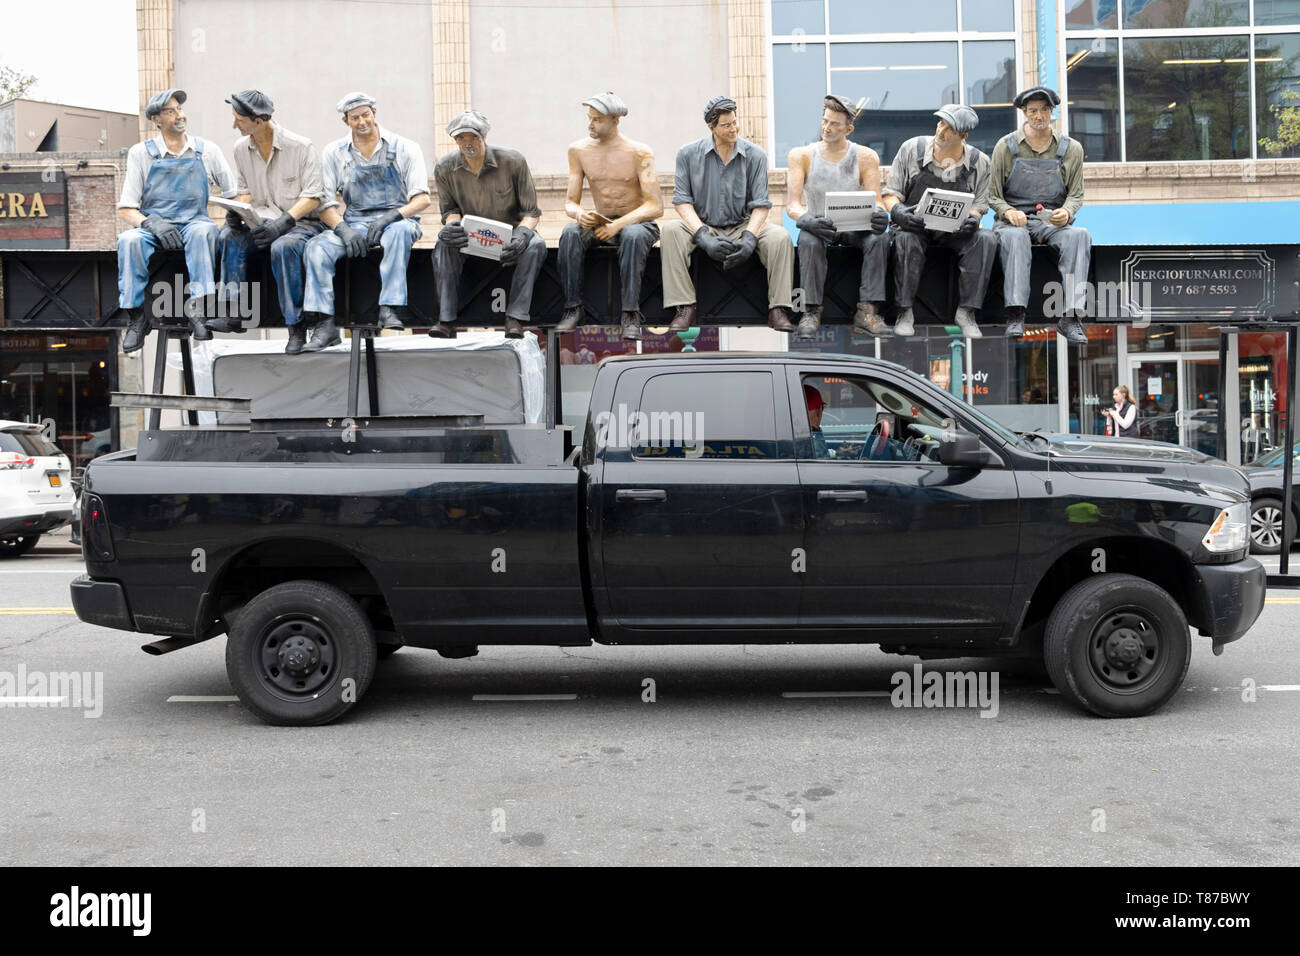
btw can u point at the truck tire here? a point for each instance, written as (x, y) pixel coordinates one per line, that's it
(1266, 526)
(13, 547)
(1117, 645)
(300, 653)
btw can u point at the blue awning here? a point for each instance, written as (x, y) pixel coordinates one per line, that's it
(1192, 223)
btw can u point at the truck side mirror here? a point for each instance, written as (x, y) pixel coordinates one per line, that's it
(959, 447)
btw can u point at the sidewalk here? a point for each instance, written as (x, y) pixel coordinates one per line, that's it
(57, 543)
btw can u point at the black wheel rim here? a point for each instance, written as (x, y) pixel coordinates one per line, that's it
(295, 657)
(1266, 527)
(1126, 651)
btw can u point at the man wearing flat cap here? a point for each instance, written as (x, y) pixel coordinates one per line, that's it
(834, 164)
(942, 161)
(625, 192)
(1037, 190)
(720, 192)
(279, 175)
(492, 182)
(165, 200)
(383, 185)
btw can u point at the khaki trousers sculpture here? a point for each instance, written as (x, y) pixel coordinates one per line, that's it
(775, 251)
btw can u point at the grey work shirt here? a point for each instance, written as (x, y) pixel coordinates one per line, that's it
(905, 168)
(723, 195)
(292, 172)
(340, 156)
(502, 189)
(138, 162)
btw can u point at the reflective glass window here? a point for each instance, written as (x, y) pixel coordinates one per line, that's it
(1092, 66)
(1164, 15)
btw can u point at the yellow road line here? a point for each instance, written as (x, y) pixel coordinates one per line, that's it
(37, 610)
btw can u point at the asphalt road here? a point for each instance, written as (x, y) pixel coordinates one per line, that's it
(723, 767)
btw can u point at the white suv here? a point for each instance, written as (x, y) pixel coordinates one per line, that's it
(36, 492)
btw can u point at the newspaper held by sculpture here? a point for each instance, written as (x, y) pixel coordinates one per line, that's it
(944, 210)
(247, 211)
(487, 237)
(851, 211)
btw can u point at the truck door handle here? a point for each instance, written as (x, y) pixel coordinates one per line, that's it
(841, 496)
(640, 494)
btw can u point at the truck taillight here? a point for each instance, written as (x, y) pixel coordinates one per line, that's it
(13, 461)
(96, 538)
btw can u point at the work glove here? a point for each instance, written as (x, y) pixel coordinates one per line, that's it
(454, 235)
(268, 232)
(235, 221)
(377, 227)
(168, 236)
(819, 226)
(519, 240)
(715, 247)
(905, 218)
(354, 243)
(968, 228)
(745, 249)
(879, 220)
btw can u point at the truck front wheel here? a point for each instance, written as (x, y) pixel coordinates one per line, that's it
(300, 653)
(1117, 645)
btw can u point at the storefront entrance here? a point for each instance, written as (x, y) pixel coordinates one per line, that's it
(1177, 397)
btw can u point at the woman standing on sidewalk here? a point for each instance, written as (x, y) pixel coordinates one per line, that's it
(1123, 416)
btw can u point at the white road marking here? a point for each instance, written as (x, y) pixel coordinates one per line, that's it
(1280, 686)
(6, 701)
(200, 699)
(494, 697)
(43, 571)
(836, 693)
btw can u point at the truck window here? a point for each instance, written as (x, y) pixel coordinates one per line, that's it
(713, 415)
(866, 419)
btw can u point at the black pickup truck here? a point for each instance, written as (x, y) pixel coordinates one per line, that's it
(700, 507)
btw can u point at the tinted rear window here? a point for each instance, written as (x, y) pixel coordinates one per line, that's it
(27, 443)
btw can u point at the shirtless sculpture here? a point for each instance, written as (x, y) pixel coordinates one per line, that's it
(625, 192)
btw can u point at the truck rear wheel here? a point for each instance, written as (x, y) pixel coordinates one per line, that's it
(1117, 645)
(300, 653)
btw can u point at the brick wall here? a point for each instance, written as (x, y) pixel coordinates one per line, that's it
(92, 212)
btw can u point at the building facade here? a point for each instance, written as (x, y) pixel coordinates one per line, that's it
(1179, 105)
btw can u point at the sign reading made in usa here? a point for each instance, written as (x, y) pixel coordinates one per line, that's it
(1194, 283)
(34, 210)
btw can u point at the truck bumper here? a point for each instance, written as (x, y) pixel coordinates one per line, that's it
(102, 603)
(36, 523)
(1233, 596)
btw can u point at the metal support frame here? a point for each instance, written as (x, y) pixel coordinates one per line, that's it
(1287, 459)
(366, 334)
(1223, 396)
(553, 392)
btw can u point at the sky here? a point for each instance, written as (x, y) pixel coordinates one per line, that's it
(81, 51)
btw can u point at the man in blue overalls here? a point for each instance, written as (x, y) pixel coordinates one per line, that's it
(165, 200)
(279, 175)
(1036, 190)
(384, 185)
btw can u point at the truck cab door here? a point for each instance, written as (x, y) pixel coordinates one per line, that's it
(695, 510)
(898, 543)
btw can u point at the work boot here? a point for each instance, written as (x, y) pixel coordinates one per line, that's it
(684, 319)
(194, 313)
(570, 320)
(631, 326)
(1015, 321)
(513, 329)
(867, 318)
(809, 324)
(779, 320)
(297, 339)
(323, 334)
(1072, 329)
(443, 330)
(390, 317)
(905, 324)
(966, 322)
(225, 324)
(138, 324)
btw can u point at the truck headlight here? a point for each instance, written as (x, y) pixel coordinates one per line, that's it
(1228, 530)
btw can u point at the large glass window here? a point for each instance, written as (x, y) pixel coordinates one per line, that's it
(1180, 72)
(900, 61)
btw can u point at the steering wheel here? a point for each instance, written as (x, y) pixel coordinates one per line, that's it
(879, 437)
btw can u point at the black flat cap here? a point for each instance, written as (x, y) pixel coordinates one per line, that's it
(251, 103)
(717, 106)
(1037, 93)
(843, 104)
